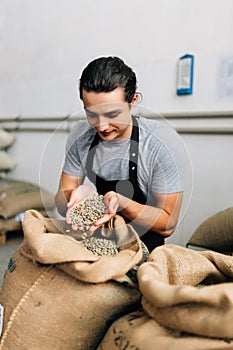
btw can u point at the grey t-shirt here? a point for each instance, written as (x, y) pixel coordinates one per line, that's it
(161, 159)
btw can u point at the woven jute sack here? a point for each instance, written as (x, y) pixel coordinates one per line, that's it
(19, 196)
(57, 294)
(189, 291)
(215, 233)
(138, 331)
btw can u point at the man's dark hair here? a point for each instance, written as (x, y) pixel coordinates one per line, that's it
(105, 74)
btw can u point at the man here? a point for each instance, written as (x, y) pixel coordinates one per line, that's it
(136, 163)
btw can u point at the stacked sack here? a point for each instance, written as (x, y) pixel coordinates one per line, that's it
(17, 196)
(57, 294)
(6, 162)
(187, 303)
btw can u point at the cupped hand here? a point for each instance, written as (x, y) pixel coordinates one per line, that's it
(78, 196)
(111, 200)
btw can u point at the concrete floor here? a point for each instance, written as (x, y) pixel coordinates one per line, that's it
(6, 251)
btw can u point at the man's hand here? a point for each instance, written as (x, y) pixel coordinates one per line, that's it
(111, 200)
(81, 194)
(78, 196)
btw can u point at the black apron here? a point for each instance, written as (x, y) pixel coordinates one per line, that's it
(128, 188)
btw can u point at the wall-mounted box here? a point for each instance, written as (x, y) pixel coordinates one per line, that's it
(185, 75)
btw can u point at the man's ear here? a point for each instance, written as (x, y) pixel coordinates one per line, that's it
(134, 99)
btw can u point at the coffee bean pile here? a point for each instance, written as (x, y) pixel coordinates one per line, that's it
(100, 246)
(85, 214)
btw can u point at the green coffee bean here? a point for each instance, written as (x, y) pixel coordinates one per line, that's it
(85, 214)
(100, 246)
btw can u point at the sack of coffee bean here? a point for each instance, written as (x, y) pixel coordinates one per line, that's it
(189, 291)
(138, 331)
(58, 294)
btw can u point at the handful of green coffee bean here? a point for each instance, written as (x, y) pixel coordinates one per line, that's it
(85, 214)
(101, 246)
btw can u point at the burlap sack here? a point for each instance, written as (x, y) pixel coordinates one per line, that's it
(138, 331)
(6, 138)
(171, 281)
(12, 225)
(9, 225)
(58, 295)
(19, 196)
(215, 233)
(6, 162)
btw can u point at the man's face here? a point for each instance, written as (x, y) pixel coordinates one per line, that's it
(108, 113)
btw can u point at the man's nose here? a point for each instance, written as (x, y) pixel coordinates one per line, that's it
(102, 123)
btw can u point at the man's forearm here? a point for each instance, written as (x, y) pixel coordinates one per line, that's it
(61, 200)
(153, 218)
(66, 186)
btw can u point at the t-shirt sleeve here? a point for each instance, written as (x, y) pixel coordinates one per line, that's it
(72, 164)
(169, 165)
(76, 150)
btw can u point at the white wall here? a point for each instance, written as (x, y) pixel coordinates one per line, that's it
(212, 181)
(44, 45)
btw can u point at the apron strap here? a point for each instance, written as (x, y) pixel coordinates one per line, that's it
(133, 157)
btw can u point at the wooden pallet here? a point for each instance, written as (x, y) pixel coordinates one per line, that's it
(2, 239)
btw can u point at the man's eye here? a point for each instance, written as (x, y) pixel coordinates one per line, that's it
(112, 115)
(91, 115)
